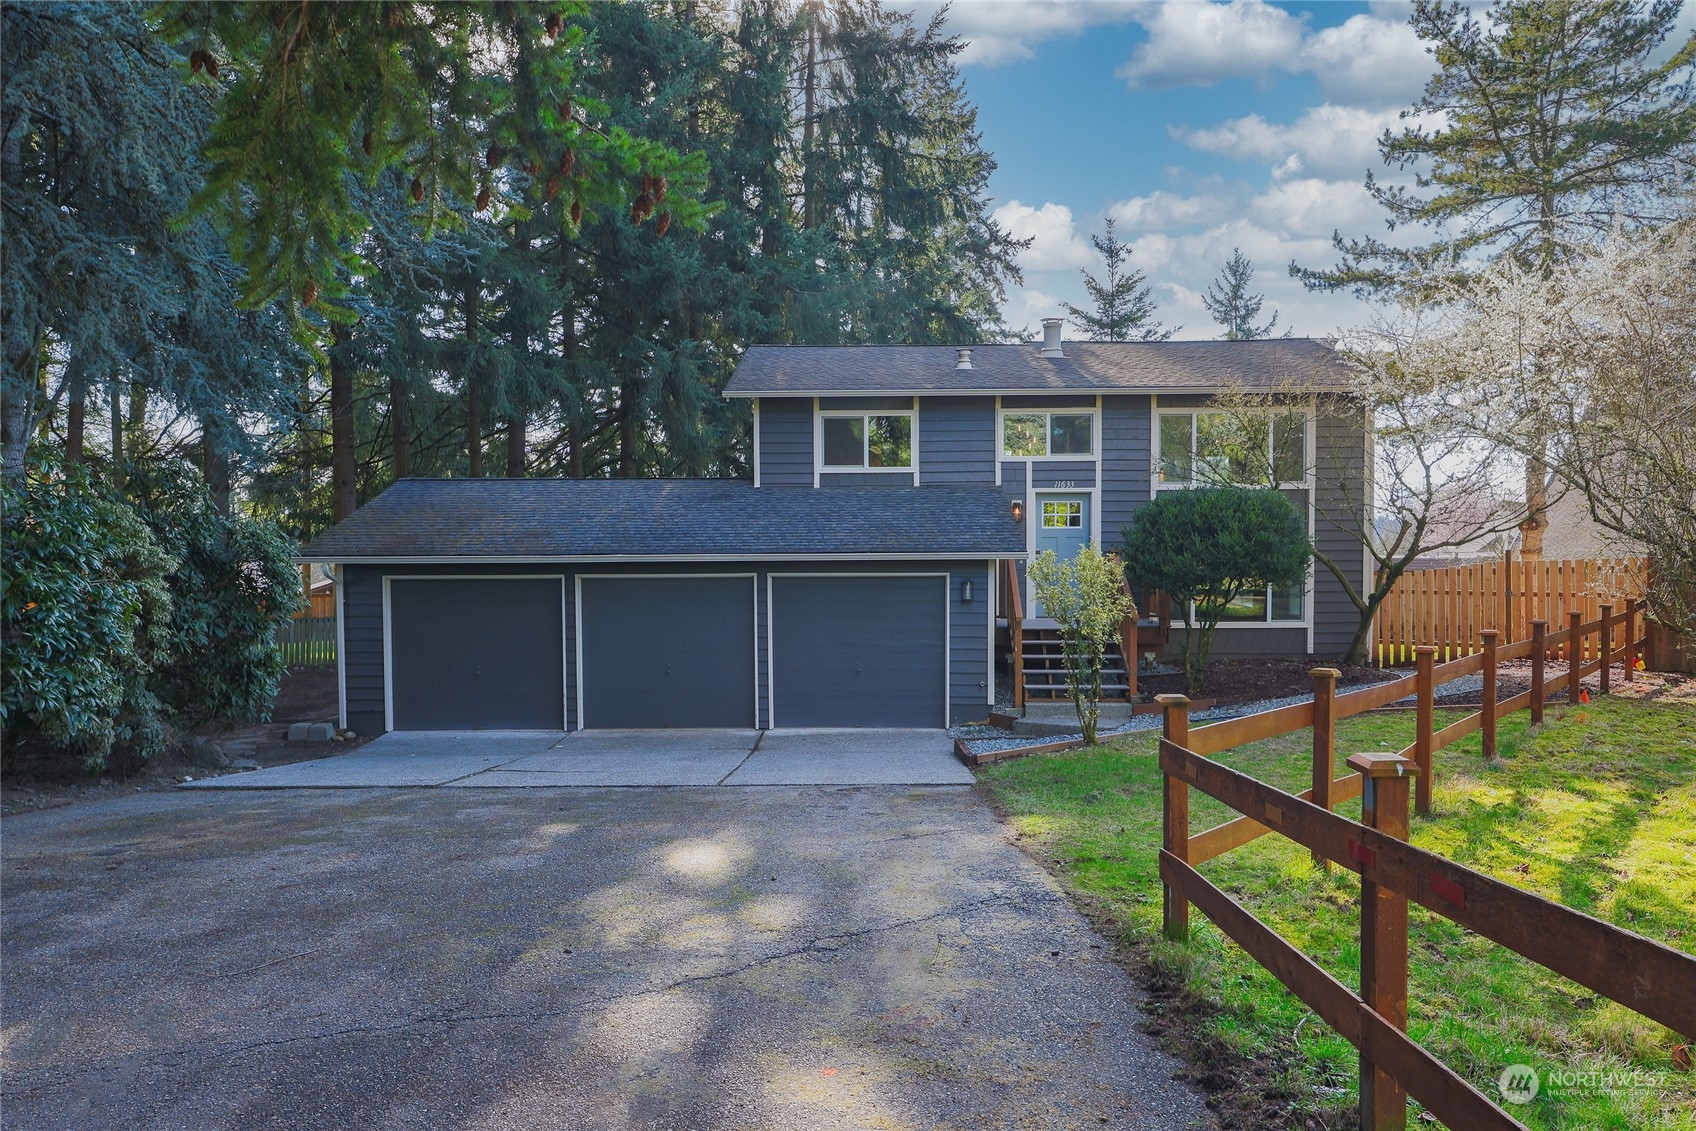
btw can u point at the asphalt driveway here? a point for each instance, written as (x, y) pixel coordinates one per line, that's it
(655, 958)
(505, 759)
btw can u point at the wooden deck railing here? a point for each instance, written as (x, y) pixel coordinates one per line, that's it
(1012, 601)
(1654, 980)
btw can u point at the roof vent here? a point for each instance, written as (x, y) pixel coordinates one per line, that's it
(1051, 338)
(962, 359)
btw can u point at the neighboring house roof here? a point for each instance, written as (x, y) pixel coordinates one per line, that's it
(1142, 367)
(702, 519)
(1572, 535)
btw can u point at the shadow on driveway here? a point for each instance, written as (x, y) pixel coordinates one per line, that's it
(782, 958)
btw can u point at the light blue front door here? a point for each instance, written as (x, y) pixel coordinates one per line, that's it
(1062, 525)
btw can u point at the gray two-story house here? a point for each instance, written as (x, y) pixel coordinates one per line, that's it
(859, 578)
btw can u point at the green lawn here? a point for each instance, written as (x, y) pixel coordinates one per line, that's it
(1596, 810)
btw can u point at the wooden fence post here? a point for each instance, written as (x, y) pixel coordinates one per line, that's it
(1175, 816)
(1574, 655)
(1630, 639)
(1539, 629)
(1489, 731)
(1324, 740)
(1383, 937)
(1425, 692)
(1606, 642)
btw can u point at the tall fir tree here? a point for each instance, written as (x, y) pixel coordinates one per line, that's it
(1231, 303)
(1124, 301)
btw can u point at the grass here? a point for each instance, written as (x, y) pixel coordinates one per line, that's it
(1596, 809)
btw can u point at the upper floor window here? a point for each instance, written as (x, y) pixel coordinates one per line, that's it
(1028, 435)
(867, 440)
(1217, 448)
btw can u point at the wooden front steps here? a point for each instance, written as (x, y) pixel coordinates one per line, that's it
(1042, 666)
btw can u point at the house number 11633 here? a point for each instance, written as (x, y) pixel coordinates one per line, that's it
(1066, 484)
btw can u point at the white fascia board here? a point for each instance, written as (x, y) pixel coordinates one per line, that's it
(655, 559)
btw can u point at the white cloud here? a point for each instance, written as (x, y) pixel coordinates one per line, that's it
(1159, 210)
(1311, 207)
(1006, 31)
(1026, 307)
(1200, 44)
(1366, 61)
(1324, 141)
(1057, 244)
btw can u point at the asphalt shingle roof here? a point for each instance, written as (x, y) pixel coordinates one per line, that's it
(1087, 367)
(667, 518)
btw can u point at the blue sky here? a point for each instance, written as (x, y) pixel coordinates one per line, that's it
(1201, 126)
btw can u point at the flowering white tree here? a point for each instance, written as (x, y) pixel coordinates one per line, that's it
(1085, 595)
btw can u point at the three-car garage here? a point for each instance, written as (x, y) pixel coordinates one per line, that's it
(604, 650)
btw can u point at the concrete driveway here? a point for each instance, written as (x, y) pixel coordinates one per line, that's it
(655, 958)
(489, 759)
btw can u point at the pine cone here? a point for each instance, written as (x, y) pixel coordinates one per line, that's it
(534, 168)
(565, 110)
(663, 225)
(553, 186)
(311, 295)
(366, 142)
(567, 162)
(417, 191)
(659, 190)
(495, 155)
(211, 63)
(483, 198)
(576, 212)
(196, 60)
(396, 15)
(553, 25)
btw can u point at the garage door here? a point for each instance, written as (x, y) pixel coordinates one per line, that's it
(859, 651)
(668, 652)
(477, 653)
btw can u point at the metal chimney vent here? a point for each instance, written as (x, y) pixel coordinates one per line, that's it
(963, 359)
(1051, 338)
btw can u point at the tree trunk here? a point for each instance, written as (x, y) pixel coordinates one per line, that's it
(1536, 507)
(400, 427)
(515, 447)
(568, 353)
(628, 397)
(117, 435)
(473, 394)
(76, 417)
(344, 497)
(808, 87)
(216, 468)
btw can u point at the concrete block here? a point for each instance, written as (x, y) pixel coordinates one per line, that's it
(311, 732)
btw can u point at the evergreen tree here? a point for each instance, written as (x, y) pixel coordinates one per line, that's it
(1543, 126)
(1231, 303)
(1124, 302)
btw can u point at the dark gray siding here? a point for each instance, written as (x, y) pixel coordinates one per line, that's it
(866, 404)
(956, 440)
(786, 442)
(1125, 462)
(1045, 402)
(865, 479)
(968, 650)
(1340, 484)
(1045, 474)
(1236, 643)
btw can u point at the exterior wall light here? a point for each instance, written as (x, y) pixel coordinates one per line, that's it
(966, 591)
(1018, 512)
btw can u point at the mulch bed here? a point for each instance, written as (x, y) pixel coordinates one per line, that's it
(1249, 681)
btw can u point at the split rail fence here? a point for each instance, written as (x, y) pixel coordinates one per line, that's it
(1655, 980)
(1448, 606)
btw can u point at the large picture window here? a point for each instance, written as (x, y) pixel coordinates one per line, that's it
(1216, 448)
(1034, 435)
(1266, 606)
(867, 441)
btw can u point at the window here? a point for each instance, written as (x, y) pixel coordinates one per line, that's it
(1263, 606)
(1062, 514)
(1213, 447)
(868, 441)
(1033, 435)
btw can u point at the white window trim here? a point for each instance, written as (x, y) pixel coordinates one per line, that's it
(1091, 456)
(822, 468)
(1303, 484)
(1305, 623)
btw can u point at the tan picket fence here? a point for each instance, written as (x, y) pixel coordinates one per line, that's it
(1446, 607)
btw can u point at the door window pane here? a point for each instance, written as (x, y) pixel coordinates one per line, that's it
(1062, 514)
(891, 441)
(1289, 449)
(1023, 434)
(1070, 434)
(1175, 449)
(845, 441)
